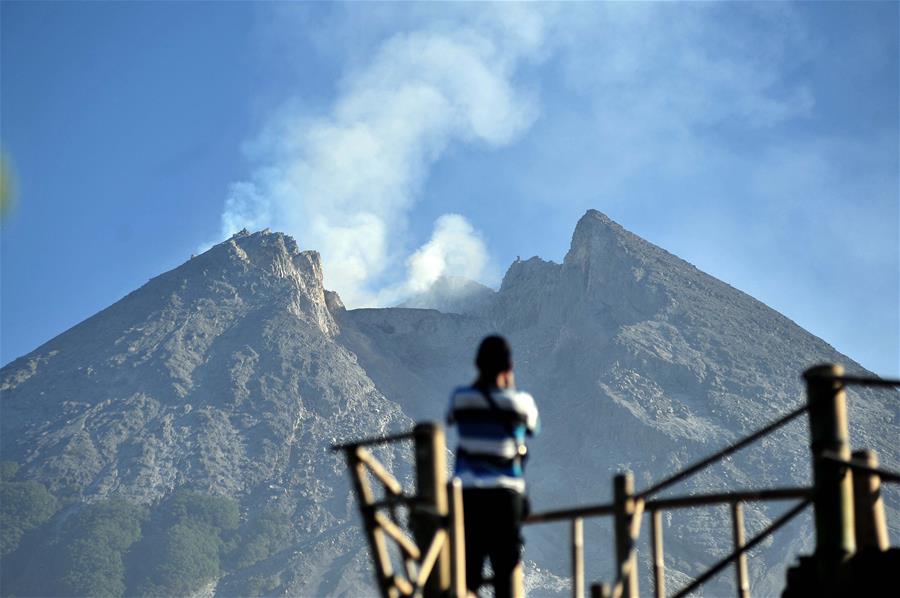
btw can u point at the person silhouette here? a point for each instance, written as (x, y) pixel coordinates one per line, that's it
(492, 420)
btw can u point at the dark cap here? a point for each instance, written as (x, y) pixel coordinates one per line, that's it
(494, 356)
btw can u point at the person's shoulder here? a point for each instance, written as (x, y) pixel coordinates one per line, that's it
(464, 396)
(464, 390)
(525, 396)
(515, 393)
(518, 397)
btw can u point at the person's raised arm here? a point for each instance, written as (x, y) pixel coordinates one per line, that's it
(532, 420)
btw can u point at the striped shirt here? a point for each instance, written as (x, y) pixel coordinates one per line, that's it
(492, 438)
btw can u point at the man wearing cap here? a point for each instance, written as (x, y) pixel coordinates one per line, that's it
(493, 420)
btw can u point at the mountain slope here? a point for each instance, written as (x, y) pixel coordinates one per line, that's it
(220, 376)
(640, 361)
(231, 374)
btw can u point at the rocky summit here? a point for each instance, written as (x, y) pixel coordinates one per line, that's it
(198, 412)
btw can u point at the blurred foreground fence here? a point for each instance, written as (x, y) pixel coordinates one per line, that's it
(845, 496)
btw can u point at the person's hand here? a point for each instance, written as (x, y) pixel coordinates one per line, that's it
(506, 380)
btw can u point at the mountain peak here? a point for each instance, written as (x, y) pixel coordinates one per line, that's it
(272, 263)
(597, 216)
(263, 248)
(232, 373)
(264, 253)
(596, 229)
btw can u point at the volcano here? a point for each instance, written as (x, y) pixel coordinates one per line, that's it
(231, 375)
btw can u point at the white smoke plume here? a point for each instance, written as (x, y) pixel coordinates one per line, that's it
(455, 249)
(344, 183)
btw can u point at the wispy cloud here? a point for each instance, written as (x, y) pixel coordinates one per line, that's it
(709, 128)
(345, 182)
(668, 82)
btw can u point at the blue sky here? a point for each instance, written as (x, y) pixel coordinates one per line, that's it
(759, 141)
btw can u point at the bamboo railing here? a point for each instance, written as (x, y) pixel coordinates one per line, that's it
(434, 558)
(848, 509)
(833, 495)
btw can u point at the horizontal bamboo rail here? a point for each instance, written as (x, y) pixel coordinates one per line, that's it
(676, 502)
(374, 440)
(656, 507)
(774, 526)
(859, 380)
(570, 513)
(696, 500)
(442, 527)
(855, 465)
(814, 376)
(691, 470)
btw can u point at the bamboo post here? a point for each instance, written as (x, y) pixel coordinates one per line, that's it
(871, 525)
(832, 482)
(431, 489)
(518, 581)
(626, 557)
(384, 572)
(740, 564)
(457, 540)
(659, 563)
(578, 558)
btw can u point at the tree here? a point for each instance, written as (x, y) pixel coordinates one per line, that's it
(92, 544)
(188, 558)
(183, 551)
(219, 512)
(8, 470)
(23, 506)
(263, 537)
(93, 569)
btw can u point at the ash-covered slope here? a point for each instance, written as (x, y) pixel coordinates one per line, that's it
(221, 377)
(638, 360)
(232, 374)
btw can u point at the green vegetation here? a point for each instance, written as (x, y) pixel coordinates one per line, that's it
(113, 548)
(8, 470)
(23, 506)
(260, 585)
(186, 550)
(218, 512)
(189, 558)
(262, 537)
(95, 539)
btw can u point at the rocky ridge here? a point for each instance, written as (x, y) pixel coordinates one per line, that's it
(221, 376)
(233, 373)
